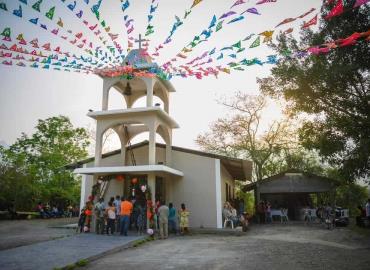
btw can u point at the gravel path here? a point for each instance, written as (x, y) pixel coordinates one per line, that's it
(263, 247)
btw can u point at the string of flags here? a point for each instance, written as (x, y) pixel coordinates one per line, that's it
(178, 22)
(200, 72)
(100, 28)
(34, 48)
(266, 35)
(104, 56)
(153, 7)
(76, 39)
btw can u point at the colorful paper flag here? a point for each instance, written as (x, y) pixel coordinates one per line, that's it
(237, 45)
(125, 5)
(60, 22)
(34, 21)
(265, 1)
(236, 19)
(18, 12)
(251, 10)
(3, 6)
(219, 26)
(213, 22)
(227, 14)
(248, 37)
(313, 21)
(36, 6)
(50, 13)
(307, 13)
(267, 36)
(287, 20)
(196, 2)
(6, 32)
(256, 43)
(187, 13)
(360, 3)
(336, 11)
(237, 3)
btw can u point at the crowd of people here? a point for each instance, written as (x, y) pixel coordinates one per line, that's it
(264, 212)
(56, 211)
(323, 213)
(121, 214)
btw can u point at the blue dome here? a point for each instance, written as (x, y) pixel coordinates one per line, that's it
(135, 58)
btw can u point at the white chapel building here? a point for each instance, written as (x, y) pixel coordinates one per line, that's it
(202, 181)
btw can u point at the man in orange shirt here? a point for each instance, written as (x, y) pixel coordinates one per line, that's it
(126, 210)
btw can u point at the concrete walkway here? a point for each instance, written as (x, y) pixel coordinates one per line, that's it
(61, 252)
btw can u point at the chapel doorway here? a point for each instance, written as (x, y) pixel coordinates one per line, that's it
(160, 189)
(132, 188)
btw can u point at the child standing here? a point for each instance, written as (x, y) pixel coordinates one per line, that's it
(184, 219)
(111, 214)
(81, 220)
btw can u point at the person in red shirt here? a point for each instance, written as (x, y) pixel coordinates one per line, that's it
(126, 210)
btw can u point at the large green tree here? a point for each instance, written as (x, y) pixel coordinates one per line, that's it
(242, 135)
(38, 162)
(332, 88)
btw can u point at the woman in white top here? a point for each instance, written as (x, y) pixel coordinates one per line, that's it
(111, 217)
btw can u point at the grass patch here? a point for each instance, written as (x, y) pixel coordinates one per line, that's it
(70, 267)
(142, 241)
(82, 263)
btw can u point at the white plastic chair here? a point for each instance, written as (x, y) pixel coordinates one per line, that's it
(228, 220)
(284, 215)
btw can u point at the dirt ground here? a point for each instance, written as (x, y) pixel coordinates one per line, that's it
(264, 247)
(15, 233)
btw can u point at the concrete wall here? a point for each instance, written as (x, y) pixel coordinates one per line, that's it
(196, 189)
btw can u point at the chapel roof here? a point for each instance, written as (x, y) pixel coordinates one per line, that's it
(291, 174)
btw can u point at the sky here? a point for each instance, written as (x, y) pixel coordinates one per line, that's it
(28, 94)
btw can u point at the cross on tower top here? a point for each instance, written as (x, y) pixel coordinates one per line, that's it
(140, 41)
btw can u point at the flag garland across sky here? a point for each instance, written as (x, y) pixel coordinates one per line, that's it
(97, 50)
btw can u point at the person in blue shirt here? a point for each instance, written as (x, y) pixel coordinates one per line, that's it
(172, 219)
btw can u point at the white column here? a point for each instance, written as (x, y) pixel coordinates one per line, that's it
(169, 149)
(152, 146)
(149, 91)
(218, 193)
(84, 189)
(105, 100)
(98, 145)
(123, 153)
(151, 185)
(167, 102)
(166, 107)
(122, 137)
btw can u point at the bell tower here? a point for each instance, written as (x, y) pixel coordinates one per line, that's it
(130, 121)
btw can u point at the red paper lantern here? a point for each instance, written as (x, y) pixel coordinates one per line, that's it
(134, 181)
(120, 178)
